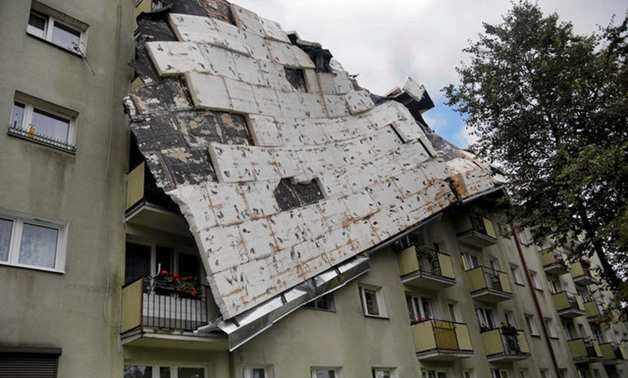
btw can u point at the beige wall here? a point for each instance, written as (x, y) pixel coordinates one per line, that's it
(76, 310)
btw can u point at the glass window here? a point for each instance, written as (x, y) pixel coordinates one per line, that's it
(190, 372)
(326, 302)
(50, 126)
(6, 229)
(17, 117)
(38, 246)
(30, 243)
(531, 325)
(259, 373)
(138, 371)
(324, 373)
(164, 372)
(46, 25)
(516, 274)
(371, 301)
(66, 37)
(382, 373)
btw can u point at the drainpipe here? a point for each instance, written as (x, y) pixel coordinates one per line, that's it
(536, 300)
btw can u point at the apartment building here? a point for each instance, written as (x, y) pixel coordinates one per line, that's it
(275, 218)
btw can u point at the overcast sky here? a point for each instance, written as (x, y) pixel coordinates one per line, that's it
(387, 41)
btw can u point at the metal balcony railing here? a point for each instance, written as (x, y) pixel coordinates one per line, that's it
(145, 304)
(424, 267)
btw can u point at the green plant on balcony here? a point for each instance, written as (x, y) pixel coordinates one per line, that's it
(173, 283)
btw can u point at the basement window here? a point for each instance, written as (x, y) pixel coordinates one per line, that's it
(44, 123)
(57, 28)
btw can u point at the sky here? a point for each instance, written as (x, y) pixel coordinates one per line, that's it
(386, 42)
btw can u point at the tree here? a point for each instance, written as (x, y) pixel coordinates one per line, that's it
(551, 108)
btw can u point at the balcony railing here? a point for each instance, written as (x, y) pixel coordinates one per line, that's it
(584, 350)
(422, 267)
(441, 340)
(568, 305)
(592, 310)
(489, 285)
(553, 262)
(475, 230)
(505, 345)
(162, 309)
(582, 274)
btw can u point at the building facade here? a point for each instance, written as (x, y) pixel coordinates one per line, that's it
(264, 216)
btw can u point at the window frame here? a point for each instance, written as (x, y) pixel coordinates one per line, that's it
(247, 371)
(52, 18)
(323, 303)
(337, 371)
(392, 372)
(15, 239)
(517, 276)
(551, 328)
(32, 105)
(531, 324)
(536, 280)
(379, 297)
(174, 369)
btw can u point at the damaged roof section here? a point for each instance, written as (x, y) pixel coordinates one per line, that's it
(282, 172)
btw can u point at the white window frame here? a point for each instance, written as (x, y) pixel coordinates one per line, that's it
(380, 372)
(30, 105)
(18, 220)
(486, 317)
(51, 18)
(174, 373)
(247, 371)
(337, 371)
(517, 277)
(433, 374)
(536, 281)
(551, 328)
(379, 297)
(531, 323)
(420, 307)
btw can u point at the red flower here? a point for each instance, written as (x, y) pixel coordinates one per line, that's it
(193, 292)
(176, 277)
(190, 278)
(163, 273)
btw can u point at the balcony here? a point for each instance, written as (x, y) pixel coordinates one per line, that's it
(473, 229)
(505, 346)
(553, 262)
(568, 305)
(166, 317)
(441, 340)
(148, 206)
(584, 350)
(488, 285)
(425, 268)
(582, 274)
(613, 353)
(592, 311)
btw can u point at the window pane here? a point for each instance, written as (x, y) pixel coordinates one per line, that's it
(50, 125)
(258, 373)
(37, 25)
(6, 226)
(191, 372)
(39, 246)
(17, 117)
(138, 371)
(66, 37)
(325, 374)
(136, 262)
(164, 372)
(370, 299)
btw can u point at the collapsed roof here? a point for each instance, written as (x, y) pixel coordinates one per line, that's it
(282, 165)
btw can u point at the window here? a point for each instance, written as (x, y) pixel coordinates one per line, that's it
(383, 373)
(419, 308)
(516, 274)
(468, 374)
(532, 329)
(452, 308)
(143, 260)
(485, 316)
(545, 373)
(57, 28)
(433, 374)
(496, 373)
(44, 123)
(144, 371)
(551, 328)
(372, 301)
(325, 373)
(554, 285)
(32, 242)
(470, 260)
(326, 303)
(29, 362)
(536, 281)
(523, 373)
(257, 372)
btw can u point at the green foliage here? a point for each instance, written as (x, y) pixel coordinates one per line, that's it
(551, 108)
